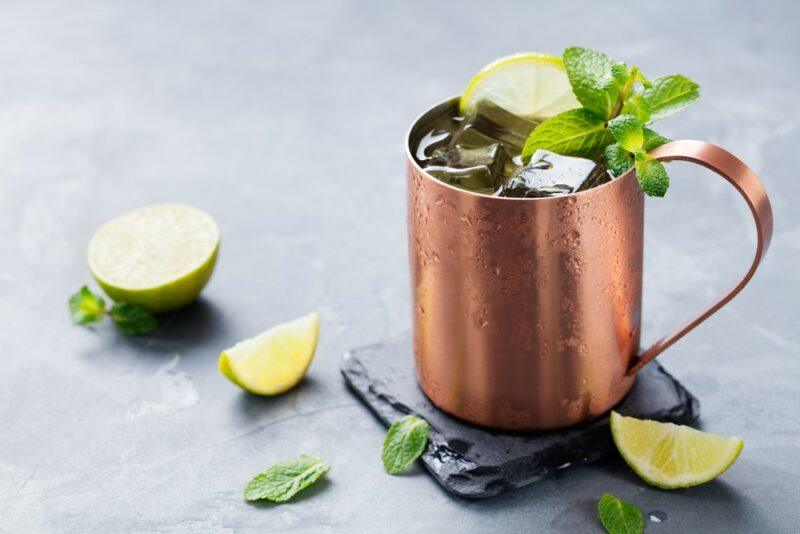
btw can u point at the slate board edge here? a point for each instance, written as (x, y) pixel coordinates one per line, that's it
(439, 456)
(354, 373)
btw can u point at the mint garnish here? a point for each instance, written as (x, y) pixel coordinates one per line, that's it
(651, 174)
(628, 131)
(668, 95)
(618, 101)
(596, 81)
(637, 106)
(653, 139)
(87, 308)
(132, 319)
(283, 481)
(617, 159)
(576, 132)
(405, 442)
(618, 516)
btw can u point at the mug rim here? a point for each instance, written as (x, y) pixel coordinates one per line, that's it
(628, 175)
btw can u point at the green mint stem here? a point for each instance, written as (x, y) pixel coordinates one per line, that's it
(87, 308)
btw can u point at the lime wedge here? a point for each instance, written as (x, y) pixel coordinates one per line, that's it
(531, 85)
(274, 361)
(159, 257)
(672, 456)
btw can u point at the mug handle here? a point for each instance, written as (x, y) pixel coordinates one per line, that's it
(747, 183)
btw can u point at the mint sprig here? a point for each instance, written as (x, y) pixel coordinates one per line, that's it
(653, 140)
(132, 319)
(596, 81)
(637, 106)
(284, 480)
(668, 95)
(577, 132)
(618, 102)
(628, 132)
(618, 516)
(404, 443)
(651, 174)
(618, 160)
(86, 308)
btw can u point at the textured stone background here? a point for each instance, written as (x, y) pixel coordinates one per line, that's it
(286, 122)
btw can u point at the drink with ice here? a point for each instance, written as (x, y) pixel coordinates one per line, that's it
(482, 153)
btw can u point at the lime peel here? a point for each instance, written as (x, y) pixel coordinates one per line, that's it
(532, 85)
(672, 456)
(159, 257)
(274, 361)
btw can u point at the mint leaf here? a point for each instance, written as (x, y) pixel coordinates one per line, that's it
(636, 76)
(596, 81)
(628, 132)
(618, 516)
(653, 140)
(637, 106)
(651, 174)
(132, 319)
(617, 159)
(405, 442)
(670, 94)
(283, 481)
(577, 132)
(86, 308)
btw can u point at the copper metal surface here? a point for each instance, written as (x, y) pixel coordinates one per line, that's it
(527, 311)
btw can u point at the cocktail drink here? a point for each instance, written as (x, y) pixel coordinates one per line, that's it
(482, 153)
(526, 208)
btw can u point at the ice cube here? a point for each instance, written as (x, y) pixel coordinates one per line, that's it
(549, 174)
(490, 123)
(493, 156)
(478, 178)
(468, 167)
(432, 144)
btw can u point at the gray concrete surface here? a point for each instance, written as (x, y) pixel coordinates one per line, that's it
(286, 121)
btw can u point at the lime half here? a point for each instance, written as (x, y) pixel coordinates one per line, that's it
(275, 360)
(159, 257)
(531, 85)
(672, 456)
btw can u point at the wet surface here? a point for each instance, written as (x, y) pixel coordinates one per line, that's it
(656, 516)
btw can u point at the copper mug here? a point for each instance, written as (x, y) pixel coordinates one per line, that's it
(527, 312)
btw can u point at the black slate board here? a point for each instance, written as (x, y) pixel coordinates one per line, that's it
(477, 462)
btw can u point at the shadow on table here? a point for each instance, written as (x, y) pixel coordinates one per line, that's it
(255, 407)
(180, 330)
(578, 490)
